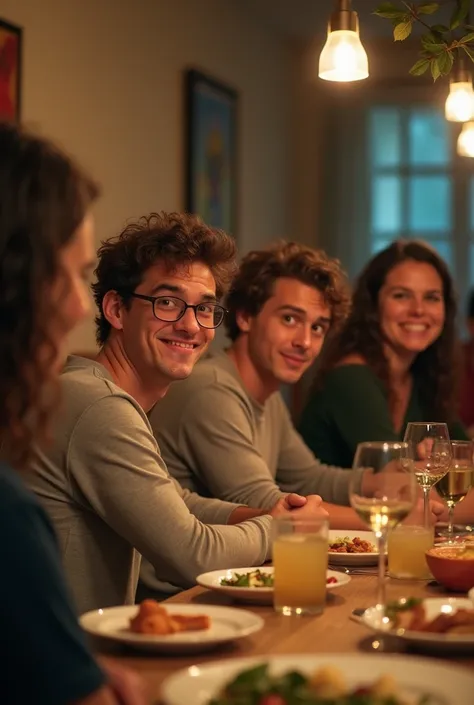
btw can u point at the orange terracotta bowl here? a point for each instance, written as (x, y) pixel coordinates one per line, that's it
(450, 569)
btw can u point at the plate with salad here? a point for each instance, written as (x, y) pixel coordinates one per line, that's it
(335, 679)
(254, 584)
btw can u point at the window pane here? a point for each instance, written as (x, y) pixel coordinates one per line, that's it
(379, 244)
(385, 137)
(429, 207)
(445, 250)
(428, 138)
(386, 204)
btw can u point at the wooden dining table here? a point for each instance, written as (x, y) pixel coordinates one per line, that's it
(334, 631)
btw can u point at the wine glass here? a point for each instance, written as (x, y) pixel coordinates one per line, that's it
(428, 455)
(382, 496)
(457, 482)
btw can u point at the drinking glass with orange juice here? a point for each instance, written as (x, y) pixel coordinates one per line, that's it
(407, 545)
(300, 560)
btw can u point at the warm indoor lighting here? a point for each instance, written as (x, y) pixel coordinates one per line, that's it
(466, 140)
(343, 57)
(460, 101)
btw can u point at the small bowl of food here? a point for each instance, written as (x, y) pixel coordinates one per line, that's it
(452, 565)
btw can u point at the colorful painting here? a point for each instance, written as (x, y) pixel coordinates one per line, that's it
(211, 134)
(10, 71)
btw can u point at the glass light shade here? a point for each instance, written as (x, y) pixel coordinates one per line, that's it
(466, 140)
(460, 102)
(343, 57)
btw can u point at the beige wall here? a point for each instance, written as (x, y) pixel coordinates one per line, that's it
(103, 77)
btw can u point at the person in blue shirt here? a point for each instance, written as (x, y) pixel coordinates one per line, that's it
(46, 254)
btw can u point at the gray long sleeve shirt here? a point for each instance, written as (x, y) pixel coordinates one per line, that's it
(110, 497)
(218, 441)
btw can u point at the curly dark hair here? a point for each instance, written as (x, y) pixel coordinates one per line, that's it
(44, 197)
(260, 269)
(173, 238)
(433, 368)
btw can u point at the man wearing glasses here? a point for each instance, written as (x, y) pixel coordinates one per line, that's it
(236, 440)
(102, 480)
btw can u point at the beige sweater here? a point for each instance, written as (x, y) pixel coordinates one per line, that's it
(218, 441)
(110, 497)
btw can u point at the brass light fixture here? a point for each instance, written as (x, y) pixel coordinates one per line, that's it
(460, 101)
(343, 57)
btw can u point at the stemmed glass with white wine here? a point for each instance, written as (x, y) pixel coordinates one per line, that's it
(428, 455)
(459, 479)
(383, 496)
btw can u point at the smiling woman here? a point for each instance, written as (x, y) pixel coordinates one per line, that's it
(394, 359)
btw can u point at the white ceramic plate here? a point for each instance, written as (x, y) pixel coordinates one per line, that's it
(447, 684)
(227, 624)
(256, 595)
(354, 559)
(428, 640)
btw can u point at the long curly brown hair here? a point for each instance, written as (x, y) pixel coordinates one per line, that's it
(44, 197)
(434, 369)
(260, 269)
(173, 238)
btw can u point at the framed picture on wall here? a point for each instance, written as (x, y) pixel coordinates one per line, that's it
(10, 71)
(211, 150)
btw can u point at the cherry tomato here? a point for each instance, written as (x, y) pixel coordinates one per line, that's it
(272, 699)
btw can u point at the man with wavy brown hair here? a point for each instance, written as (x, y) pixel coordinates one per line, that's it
(103, 480)
(234, 439)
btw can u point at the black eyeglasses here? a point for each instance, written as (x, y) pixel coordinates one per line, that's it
(171, 309)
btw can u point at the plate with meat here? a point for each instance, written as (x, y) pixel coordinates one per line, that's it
(171, 628)
(432, 624)
(354, 548)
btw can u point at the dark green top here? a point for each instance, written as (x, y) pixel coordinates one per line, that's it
(352, 407)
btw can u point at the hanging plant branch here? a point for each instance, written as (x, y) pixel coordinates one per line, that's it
(441, 45)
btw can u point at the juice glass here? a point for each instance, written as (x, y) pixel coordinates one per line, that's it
(406, 552)
(300, 560)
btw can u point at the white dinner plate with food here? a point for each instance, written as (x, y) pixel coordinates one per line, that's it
(354, 548)
(226, 624)
(439, 608)
(251, 584)
(412, 678)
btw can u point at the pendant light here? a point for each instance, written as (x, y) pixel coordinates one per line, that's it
(343, 57)
(460, 101)
(466, 140)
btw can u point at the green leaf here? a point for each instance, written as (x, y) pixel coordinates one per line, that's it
(432, 45)
(467, 38)
(460, 13)
(389, 11)
(440, 28)
(469, 52)
(435, 72)
(427, 8)
(402, 31)
(420, 67)
(445, 62)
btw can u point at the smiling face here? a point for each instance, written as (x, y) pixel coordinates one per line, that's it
(286, 336)
(162, 351)
(411, 307)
